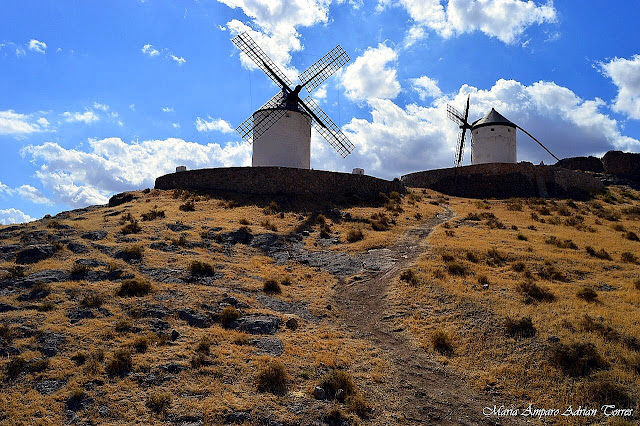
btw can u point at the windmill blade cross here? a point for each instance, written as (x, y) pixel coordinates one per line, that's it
(245, 43)
(460, 147)
(327, 128)
(323, 68)
(248, 128)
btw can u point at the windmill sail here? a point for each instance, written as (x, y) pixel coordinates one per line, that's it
(324, 67)
(245, 43)
(328, 129)
(248, 129)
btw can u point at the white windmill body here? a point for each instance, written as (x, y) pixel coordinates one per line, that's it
(281, 129)
(287, 143)
(493, 140)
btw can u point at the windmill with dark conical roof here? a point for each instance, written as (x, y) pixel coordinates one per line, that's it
(493, 137)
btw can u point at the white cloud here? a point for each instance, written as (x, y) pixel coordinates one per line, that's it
(20, 52)
(29, 193)
(397, 140)
(625, 74)
(99, 106)
(176, 125)
(167, 109)
(4, 188)
(214, 124)
(85, 117)
(414, 34)
(426, 87)
(148, 49)
(179, 60)
(132, 107)
(37, 46)
(277, 22)
(12, 123)
(79, 178)
(11, 216)
(504, 19)
(370, 77)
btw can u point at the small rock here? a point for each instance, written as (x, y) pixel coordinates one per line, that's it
(174, 335)
(103, 411)
(35, 254)
(258, 324)
(237, 417)
(76, 315)
(292, 324)
(341, 395)
(47, 387)
(173, 368)
(193, 318)
(92, 263)
(328, 307)
(178, 227)
(158, 325)
(318, 393)
(6, 308)
(268, 345)
(239, 236)
(485, 286)
(94, 235)
(305, 233)
(51, 343)
(45, 277)
(554, 339)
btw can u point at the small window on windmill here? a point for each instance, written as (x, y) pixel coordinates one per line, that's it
(492, 129)
(509, 130)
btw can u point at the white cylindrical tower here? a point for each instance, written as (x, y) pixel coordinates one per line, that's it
(287, 143)
(493, 140)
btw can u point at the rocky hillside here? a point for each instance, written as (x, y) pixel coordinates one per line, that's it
(173, 307)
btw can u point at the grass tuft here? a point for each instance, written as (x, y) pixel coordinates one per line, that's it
(442, 342)
(272, 377)
(134, 287)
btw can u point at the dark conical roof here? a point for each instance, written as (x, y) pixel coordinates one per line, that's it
(494, 118)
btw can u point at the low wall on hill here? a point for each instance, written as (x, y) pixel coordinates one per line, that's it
(503, 180)
(279, 180)
(586, 164)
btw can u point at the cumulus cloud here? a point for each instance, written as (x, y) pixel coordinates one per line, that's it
(179, 60)
(397, 140)
(77, 178)
(11, 216)
(86, 117)
(370, 76)
(100, 106)
(625, 74)
(167, 109)
(148, 49)
(214, 124)
(28, 192)
(37, 46)
(276, 24)
(426, 87)
(12, 123)
(505, 20)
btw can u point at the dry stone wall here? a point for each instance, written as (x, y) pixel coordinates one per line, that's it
(279, 180)
(503, 180)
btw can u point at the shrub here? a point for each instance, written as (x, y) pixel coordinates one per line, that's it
(199, 360)
(78, 270)
(565, 244)
(134, 287)
(483, 280)
(159, 402)
(534, 293)
(141, 344)
(38, 365)
(442, 342)
(380, 222)
(130, 253)
(272, 377)
(577, 359)
(266, 224)
(272, 208)
(618, 227)
(522, 237)
(124, 325)
(601, 254)
(45, 307)
(354, 235)
(519, 328)
(519, 266)
(410, 277)
(228, 314)
(198, 268)
(131, 228)
(494, 223)
(455, 268)
(126, 217)
(588, 294)
(243, 221)
(472, 216)
(204, 345)
(337, 379)
(120, 364)
(549, 272)
(471, 257)
(591, 325)
(495, 258)
(271, 286)
(92, 300)
(189, 206)
(514, 205)
(358, 405)
(15, 366)
(603, 389)
(629, 257)
(631, 236)
(286, 281)
(153, 214)
(180, 241)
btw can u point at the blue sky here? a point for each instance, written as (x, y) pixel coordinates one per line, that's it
(99, 98)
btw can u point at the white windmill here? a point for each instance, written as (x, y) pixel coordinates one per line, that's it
(493, 137)
(281, 129)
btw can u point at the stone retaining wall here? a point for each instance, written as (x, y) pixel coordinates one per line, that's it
(279, 180)
(503, 180)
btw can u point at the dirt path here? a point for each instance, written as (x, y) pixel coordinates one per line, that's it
(418, 390)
